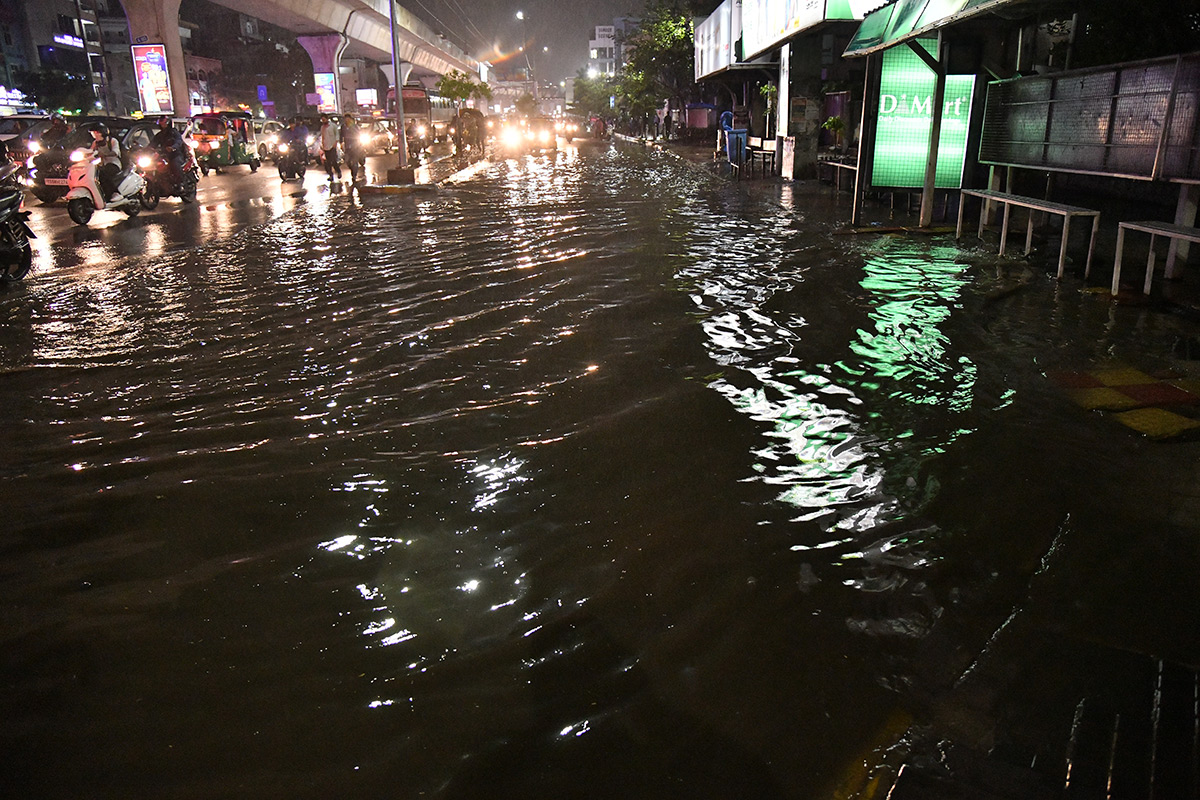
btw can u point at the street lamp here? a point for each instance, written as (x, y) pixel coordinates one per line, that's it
(525, 48)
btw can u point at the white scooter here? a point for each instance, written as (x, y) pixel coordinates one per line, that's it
(84, 196)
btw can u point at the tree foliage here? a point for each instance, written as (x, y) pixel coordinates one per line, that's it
(56, 90)
(592, 95)
(460, 87)
(527, 105)
(661, 54)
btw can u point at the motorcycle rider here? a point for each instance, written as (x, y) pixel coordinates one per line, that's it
(55, 132)
(169, 142)
(106, 148)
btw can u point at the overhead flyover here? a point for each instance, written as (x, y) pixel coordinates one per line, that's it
(328, 29)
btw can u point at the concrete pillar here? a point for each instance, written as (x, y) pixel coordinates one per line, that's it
(157, 22)
(326, 50)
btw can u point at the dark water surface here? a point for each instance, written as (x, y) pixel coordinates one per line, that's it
(590, 476)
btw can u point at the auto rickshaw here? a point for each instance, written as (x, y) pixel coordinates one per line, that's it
(224, 138)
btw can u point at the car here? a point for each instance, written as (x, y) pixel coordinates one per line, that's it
(381, 134)
(48, 167)
(267, 132)
(14, 126)
(527, 134)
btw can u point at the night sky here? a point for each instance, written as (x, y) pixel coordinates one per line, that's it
(490, 30)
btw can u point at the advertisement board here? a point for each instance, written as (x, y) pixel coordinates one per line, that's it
(905, 120)
(366, 97)
(328, 103)
(767, 22)
(153, 83)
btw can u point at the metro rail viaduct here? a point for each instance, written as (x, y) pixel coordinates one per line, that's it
(327, 29)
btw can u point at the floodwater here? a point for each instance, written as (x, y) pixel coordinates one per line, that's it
(591, 475)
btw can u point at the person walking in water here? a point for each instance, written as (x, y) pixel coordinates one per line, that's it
(329, 145)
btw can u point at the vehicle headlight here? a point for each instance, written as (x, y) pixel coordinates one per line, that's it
(283, 148)
(35, 146)
(144, 162)
(80, 155)
(273, 139)
(364, 138)
(309, 141)
(544, 135)
(421, 131)
(511, 135)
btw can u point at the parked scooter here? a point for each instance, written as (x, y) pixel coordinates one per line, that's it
(161, 181)
(16, 254)
(291, 165)
(85, 197)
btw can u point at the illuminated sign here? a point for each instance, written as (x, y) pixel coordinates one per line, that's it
(153, 83)
(906, 118)
(11, 97)
(69, 40)
(328, 101)
(366, 97)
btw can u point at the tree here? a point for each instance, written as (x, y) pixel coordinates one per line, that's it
(527, 105)
(460, 87)
(662, 53)
(56, 90)
(592, 95)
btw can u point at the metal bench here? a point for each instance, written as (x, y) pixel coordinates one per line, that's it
(1033, 204)
(837, 167)
(761, 151)
(1155, 229)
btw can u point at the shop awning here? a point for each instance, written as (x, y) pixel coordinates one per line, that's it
(901, 20)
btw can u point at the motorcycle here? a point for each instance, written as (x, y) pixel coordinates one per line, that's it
(84, 196)
(160, 178)
(16, 254)
(291, 164)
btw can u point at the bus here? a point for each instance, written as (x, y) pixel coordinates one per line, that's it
(426, 108)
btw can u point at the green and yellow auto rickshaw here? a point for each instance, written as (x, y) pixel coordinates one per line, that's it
(223, 139)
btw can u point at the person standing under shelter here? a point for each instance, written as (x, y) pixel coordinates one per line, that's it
(329, 145)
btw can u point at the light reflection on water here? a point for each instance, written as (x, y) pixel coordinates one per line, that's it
(589, 459)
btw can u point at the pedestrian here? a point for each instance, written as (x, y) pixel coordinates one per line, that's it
(667, 126)
(352, 147)
(329, 147)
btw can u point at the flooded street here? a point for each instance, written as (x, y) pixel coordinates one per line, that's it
(588, 475)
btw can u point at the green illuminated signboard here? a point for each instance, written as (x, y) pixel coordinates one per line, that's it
(906, 117)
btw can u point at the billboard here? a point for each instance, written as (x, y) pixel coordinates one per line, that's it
(714, 41)
(328, 101)
(153, 83)
(905, 120)
(768, 22)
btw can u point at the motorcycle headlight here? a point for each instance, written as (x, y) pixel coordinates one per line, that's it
(35, 146)
(364, 138)
(544, 135)
(310, 140)
(144, 162)
(283, 148)
(421, 131)
(80, 155)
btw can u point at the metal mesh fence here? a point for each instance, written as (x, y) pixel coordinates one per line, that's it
(1131, 121)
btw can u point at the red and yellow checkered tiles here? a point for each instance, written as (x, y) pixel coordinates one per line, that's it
(1138, 400)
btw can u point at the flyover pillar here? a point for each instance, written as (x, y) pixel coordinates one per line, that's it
(157, 22)
(326, 50)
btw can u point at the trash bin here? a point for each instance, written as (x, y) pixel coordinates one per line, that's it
(735, 145)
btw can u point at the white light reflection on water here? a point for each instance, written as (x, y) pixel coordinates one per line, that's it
(498, 476)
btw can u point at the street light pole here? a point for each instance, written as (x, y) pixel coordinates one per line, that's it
(402, 173)
(525, 46)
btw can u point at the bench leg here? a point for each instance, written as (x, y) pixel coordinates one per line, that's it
(1062, 249)
(983, 212)
(962, 201)
(1004, 228)
(1149, 266)
(1116, 284)
(1087, 268)
(1029, 234)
